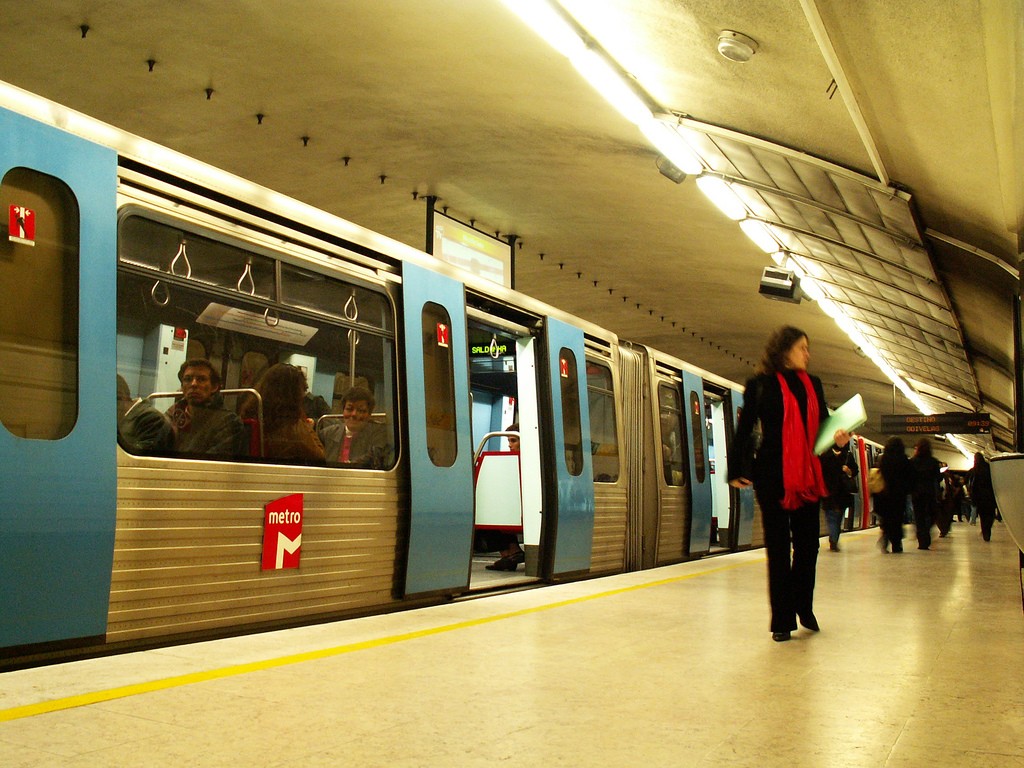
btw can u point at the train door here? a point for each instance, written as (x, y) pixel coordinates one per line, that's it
(723, 522)
(507, 474)
(672, 509)
(701, 502)
(440, 450)
(570, 540)
(745, 497)
(57, 390)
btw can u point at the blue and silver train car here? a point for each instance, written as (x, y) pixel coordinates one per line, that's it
(122, 261)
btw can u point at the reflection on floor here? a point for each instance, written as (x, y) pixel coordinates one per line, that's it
(918, 663)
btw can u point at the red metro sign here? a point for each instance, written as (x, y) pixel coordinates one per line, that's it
(282, 533)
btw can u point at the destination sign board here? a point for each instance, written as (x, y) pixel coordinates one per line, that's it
(937, 424)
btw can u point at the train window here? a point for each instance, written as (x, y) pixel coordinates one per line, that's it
(673, 445)
(312, 290)
(571, 427)
(698, 423)
(165, 319)
(201, 259)
(673, 455)
(439, 385)
(39, 315)
(604, 441)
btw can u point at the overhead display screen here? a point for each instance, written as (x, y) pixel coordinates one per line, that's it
(469, 249)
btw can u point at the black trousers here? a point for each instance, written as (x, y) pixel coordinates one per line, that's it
(790, 573)
(925, 508)
(987, 513)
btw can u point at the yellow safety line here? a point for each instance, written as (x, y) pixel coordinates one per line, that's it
(95, 697)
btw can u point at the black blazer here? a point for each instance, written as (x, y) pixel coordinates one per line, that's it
(761, 461)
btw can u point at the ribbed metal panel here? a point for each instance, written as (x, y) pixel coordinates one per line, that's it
(631, 376)
(672, 528)
(610, 514)
(189, 540)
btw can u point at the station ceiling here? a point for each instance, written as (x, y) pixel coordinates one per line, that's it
(882, 141)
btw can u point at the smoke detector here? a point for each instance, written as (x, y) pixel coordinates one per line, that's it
(736, 46)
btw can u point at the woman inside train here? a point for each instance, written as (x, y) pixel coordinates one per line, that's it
(357, 440)
(788, 404)
(287, 434)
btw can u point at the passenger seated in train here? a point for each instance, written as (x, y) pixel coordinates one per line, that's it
(355, 439)
(287, 434)
(203, 426)
(141, 428)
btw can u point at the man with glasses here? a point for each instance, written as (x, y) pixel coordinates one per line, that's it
(204, 426)
(357, 440)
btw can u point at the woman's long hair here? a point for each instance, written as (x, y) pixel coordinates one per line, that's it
(779, 343)
(895, 446)
(923, 448)
(282, 387)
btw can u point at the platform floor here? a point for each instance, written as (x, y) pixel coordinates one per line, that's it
(919, 663)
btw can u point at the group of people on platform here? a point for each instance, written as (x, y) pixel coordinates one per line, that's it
(773, 452)
(278, 425)
(935, 497)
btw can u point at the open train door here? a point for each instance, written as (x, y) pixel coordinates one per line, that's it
(569, 446)
(745, 530)
(57, 389)
(440, 441)
(701, 506)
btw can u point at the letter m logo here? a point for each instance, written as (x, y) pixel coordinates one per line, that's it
(282, 533)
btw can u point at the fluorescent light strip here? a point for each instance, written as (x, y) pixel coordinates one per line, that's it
(551, 25)
(761, 234)
(610, 83)
(722, 195)
(667, 140)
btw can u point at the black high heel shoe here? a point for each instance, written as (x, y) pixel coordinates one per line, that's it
(809, 622)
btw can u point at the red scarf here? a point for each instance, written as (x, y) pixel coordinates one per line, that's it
(801, 470)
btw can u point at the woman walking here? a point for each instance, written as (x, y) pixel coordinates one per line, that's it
(789, 405)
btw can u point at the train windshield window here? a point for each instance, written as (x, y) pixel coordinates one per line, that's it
(673, 455)
(439, 385)
(571, 429)
(272, 377)
(39, 314)
(604, 441)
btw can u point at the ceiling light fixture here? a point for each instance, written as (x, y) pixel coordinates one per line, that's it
(550, 24)
(723, 196)
(672, 145)
(761, 234)
(736, 46)
(611, 84)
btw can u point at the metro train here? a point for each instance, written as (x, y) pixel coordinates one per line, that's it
(122, 260)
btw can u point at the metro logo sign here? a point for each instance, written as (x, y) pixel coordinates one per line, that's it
(282, 533)
(444, 337)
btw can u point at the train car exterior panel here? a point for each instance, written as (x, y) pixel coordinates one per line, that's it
(610, 515)
(672, 524)
(189, 540)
